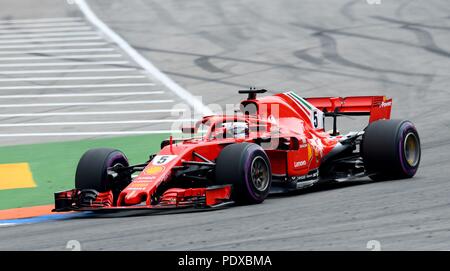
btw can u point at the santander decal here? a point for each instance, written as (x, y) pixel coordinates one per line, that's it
(156, 172)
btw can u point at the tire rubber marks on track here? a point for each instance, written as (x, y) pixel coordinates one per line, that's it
(426, 41)
(409, 23)
(330, 53)
(257, 62)
(424, 36)
(204, 62)
(347, 10)
(304, 55)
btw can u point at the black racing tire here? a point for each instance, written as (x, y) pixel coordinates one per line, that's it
(246, 167)
(391, 150)
(92, 168)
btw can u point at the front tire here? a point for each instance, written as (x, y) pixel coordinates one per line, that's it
(92, 169)
(391, 149)
(247, 167)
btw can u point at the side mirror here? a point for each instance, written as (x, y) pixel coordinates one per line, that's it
(188, 129)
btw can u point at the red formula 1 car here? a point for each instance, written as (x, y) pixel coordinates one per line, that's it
(274, 144)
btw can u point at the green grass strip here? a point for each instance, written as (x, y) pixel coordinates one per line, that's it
(53, 164)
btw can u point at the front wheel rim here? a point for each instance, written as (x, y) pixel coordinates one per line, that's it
(260, 174)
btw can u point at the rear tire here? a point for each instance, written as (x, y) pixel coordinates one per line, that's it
(246, 167)
(391, 150)
(92, 169)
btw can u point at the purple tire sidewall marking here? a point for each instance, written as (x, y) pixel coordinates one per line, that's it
(404, 130)
(247, 168)
(111, 160)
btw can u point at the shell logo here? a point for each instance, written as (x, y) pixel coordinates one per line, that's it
(153, 170)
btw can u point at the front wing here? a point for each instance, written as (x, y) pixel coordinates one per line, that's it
(173, 198)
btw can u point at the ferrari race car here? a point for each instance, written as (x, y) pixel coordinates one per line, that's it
(272, 144)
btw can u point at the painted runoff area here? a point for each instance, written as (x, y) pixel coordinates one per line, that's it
(50, 167)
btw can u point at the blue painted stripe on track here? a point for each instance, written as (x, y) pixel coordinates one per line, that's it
(44, 218)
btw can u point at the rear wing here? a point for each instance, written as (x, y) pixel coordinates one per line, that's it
(377, 107)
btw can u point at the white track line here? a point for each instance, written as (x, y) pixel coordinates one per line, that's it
(79, 86)
(68, 57)
(50, 39)
(66, 71)
(52, 51)
(41, 20)
(98, 94)
(103, 133)
(92, 113)
(50, 45)
(143, 62)
(84, 103)
(83, 123)
(65, 64)
(35, 79)
(37, 35)
(46, 30)
(7, 224)
(41, 25)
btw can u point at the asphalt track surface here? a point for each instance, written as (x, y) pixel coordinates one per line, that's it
(212, 48)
